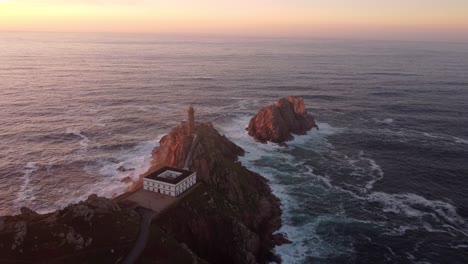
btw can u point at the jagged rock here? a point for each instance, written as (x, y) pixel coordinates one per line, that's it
(233, 214)
(20, 230)
(123, 169)
(28, 212)
(101, 204)
(277, 123)
(229, 217)
(82, 211)
(95, 223)
(75, 239)
(127, 179)
(281, 239)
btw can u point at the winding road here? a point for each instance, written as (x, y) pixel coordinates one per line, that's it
(147, 216)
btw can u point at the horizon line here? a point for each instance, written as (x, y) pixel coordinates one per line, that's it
(248, 36)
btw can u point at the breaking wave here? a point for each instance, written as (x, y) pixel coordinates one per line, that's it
(25, 193)
(318, 183)
(84, 140)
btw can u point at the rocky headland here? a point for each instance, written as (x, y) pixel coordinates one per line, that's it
(98, 230)
(230, 217)
(278, 122)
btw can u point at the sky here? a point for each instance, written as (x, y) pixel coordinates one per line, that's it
(411, 19)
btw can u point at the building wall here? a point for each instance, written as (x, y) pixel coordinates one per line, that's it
(170, 189)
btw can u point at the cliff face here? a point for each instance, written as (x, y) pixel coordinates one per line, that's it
(97, 230)
(96, 225)
(277, 123)
(230, 218)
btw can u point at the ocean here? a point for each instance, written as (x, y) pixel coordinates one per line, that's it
(384, 180)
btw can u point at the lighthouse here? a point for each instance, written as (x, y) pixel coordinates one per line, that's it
(191, 120)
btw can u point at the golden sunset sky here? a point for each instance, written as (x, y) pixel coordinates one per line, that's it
(335, 18)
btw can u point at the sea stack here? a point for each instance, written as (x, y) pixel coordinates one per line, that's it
(278, 122)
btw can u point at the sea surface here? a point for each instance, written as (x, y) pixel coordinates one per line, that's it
(384, 180)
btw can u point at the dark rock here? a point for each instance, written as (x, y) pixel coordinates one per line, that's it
(123, 169)
(127, 179)
(281, 239)
(277, 123)
(101, 204)
(95, 224)
(28, 212)
(231, 217)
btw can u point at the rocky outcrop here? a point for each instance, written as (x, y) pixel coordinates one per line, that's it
(277, 123)
(281, 239)
(229, 217)
(97, 224)
(97, 230)
(232, 216)
(123, 169)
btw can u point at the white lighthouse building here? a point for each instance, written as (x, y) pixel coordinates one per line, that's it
(170, 181)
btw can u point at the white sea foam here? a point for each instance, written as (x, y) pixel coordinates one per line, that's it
(135, 161)
(84, 142)
(305, 242)
(413, 205)
(430, 135)
(446, 138)
(102, 120)
(461, 246)
(245, 104)
(417, 207)
(365, 172)
(460, 140)
(378, 172)
(324, 180)
(25, 193)
(384, 121)
(400, 231)
(303, 237)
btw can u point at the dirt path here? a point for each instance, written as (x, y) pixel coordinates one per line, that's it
(189, 156)
(147, 216)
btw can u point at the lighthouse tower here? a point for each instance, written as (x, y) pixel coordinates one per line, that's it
(191, 120)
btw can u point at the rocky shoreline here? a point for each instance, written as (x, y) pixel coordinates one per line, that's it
(230, 218)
